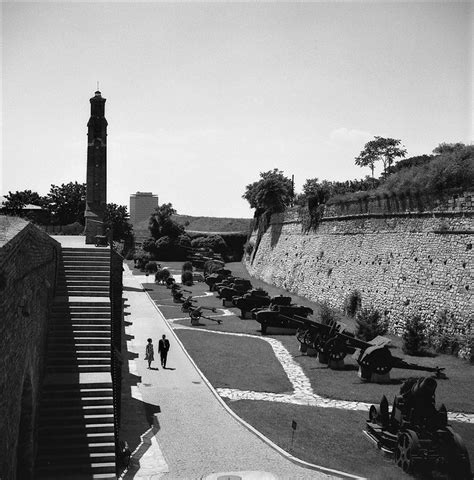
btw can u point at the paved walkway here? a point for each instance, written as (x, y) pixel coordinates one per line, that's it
(186, 431)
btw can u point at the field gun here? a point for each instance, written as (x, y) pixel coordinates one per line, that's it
(216, 277)
(254, 299)
(417, 433)
(279, 317)
(235, 289)
(188, 304)
(178, 293)
(195, 313)
(333, 343)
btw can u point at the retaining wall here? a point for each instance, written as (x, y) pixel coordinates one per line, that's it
(28, 274)
(402, 264)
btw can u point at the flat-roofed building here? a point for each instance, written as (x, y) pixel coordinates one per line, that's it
(142, 205)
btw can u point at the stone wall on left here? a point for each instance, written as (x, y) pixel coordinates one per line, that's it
(29, 264)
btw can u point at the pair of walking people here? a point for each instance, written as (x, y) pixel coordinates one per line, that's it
(163, 348)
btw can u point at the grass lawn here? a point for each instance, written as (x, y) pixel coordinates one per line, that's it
(329, 437)
(250, 366)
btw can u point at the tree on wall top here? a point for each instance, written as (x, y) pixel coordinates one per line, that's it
(384, 149)
(272, 193)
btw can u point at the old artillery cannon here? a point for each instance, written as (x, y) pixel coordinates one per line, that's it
(235, 289)
(257, 298)
(216, 277)
(188, 304)
(195, 313)
(178, 293)
(279, 317)
(417, 433)
(332, 342)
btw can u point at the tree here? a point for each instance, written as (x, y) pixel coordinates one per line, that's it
(448, 148)
(272, 193)
(384, 149)
(116, 218)
(67, 203)
(15, 202)
(161, 223)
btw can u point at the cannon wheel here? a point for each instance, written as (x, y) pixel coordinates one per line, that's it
(407, 445)
(458, 459)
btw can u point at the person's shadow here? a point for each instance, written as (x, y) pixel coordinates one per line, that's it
(169, 368)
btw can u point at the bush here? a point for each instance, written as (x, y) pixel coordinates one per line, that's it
(151, 267)
(467, 348)
(352, 303)
(187, 266)
(162, 275)
(187, 278)
(327, 315)
(443, 338)
(369, 324)
(414, 337)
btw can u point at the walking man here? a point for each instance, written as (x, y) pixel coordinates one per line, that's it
(163, 347)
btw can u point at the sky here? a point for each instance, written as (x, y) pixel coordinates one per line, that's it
(202, 97)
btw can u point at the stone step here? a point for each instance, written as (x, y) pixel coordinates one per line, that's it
(92, 264)
(66, 353)
(85, 251)
(73, 360)
(75, 342)
(72, 409)
(69, 466)
(77, 394)
(67, 439)
(79, 419)
(98, 287)
(75, 293)
(85, 325)
(80, 316)
(68, 322)
(72, 476)
(90, 332)
(62, 447)
(79, 368)
(86, 267)
(84, 308)
(78, 401)
(66, 347)
(53, 428)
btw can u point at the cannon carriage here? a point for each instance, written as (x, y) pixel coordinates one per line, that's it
(278, 317)
(253, 299)
(195, 314)
(216, 277)
(417, 433)
(333, 342)
(237, 288)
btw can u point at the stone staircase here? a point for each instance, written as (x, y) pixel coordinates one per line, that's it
(76, 416)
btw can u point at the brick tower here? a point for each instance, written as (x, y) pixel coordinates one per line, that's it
(96, 193)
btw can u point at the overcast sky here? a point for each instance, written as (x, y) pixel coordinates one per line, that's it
(202, 97)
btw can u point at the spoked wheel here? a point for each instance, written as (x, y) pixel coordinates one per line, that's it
(407, 447)
(458, 458)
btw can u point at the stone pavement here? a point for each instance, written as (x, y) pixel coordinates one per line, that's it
(186, 431)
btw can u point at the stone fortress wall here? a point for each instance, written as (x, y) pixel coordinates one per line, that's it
(403, 263)
(29, 261)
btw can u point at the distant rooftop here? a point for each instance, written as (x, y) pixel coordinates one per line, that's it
(144, 194)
